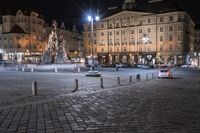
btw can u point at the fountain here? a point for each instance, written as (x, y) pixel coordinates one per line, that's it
(54, 56)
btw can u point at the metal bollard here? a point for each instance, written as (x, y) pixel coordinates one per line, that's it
(16, 68)
(152, 75)
(31, 69)
(23, 69)
(34, 88)
(56, 70)
(76, 84)
(138, 76)
(101, 82)
(131, 79)
(79, 69)
(117, 69)
(147, 77)
(118, 80)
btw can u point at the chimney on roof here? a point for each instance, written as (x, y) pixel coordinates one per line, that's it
(154, 1)
(129, 4)
(112, 8)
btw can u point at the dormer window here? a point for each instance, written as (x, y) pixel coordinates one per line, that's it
(19, 12)
(149, 20)
(171, 18)
(161, 19)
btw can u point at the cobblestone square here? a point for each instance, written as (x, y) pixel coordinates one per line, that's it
(147, 106)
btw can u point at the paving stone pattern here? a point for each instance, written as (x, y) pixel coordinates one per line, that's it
(156, 106)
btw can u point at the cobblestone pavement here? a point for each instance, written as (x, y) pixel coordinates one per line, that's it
(15, 87)
(155, 106)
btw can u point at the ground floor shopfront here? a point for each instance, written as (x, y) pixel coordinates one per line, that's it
(151, 58)
(193, 58)
(21, 56)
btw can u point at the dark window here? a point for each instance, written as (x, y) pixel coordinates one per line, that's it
(161, 38)
(170, 38)
(161, 29)
(117, 24)
(171, 18)
(149, 30)
(18, 45)
(102, 25)
(161, 19)
(170, 28)
(140, 30)
(117, 33)
(149, 20)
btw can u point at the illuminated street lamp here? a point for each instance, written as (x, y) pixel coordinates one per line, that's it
(91, 20)
(92, 72)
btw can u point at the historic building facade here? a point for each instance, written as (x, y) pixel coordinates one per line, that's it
(136, 35)
(21, 36)
(24, 35)
(194, 56)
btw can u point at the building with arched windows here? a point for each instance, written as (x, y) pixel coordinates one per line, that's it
(155, 32)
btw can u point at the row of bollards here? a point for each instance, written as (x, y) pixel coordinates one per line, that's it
(35, 92)
(101, 82)
(55, 69)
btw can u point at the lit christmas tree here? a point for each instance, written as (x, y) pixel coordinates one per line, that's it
(55, 48)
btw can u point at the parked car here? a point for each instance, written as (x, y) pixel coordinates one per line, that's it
(164, 73)
(145, 66)
(119, 65)
(188, 66)
(2, 61)
(125, 65)
(185, 66)
(108, 65)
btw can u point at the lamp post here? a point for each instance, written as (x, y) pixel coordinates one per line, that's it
(144, 39)
(199, 60)
(92, 72)
(90, 18)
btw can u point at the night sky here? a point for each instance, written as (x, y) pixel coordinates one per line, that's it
(75, 11)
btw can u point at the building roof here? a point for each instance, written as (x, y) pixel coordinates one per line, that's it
(151, 6)
(158, 6)
(16, 29)
(111, 11)
(13, 11)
